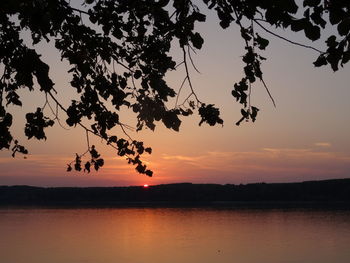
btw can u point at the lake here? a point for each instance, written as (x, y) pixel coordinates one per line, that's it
(167, 235)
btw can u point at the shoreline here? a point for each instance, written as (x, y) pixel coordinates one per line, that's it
(309, 205)
(312, 194)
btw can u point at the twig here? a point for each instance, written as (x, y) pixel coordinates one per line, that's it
(122, 127)
(63, 108)
(53, 112)
(188, 75)
(189, 55)
(178, 65)
(285, 39)
(268, 92)
(261, 78)
(80, 11)
(87, 139)
(172, 15)
(130, 128)
(249, 94)
(3, 74)
(189, 96)
(178, 94)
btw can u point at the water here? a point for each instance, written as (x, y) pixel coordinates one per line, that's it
(161, 235)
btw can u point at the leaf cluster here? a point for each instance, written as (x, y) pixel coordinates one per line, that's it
(96, 162)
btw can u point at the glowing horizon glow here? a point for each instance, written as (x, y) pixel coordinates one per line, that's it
(145, 186)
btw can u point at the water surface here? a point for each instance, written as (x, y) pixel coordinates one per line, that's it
(166, 235)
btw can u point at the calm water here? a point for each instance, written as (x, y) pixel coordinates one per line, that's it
(173, 235)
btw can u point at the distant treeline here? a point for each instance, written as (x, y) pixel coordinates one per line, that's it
(312, 193)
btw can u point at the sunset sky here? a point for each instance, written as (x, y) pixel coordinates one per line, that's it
(306, 137)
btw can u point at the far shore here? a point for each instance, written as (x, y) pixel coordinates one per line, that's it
(330, 194)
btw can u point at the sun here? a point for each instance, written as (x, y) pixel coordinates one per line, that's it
(145, 186)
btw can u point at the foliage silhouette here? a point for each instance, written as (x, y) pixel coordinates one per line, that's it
(119, 53)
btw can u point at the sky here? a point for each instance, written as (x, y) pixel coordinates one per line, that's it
(306, 137)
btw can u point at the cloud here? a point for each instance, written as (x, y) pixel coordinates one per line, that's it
(267, 164)
(181, 157)
(322, 144)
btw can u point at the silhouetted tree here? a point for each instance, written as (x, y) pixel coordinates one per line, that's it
(119, 53)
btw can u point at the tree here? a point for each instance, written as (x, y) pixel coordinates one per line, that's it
(119, 54)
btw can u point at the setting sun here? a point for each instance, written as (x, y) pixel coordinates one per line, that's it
(145, 186)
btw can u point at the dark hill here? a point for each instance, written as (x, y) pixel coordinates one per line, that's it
(312, 193)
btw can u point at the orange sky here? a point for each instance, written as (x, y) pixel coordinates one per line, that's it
(305, 138)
